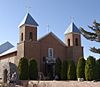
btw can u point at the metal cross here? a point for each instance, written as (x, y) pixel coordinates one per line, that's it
(27, 6)
(48, 28)
(72, 19)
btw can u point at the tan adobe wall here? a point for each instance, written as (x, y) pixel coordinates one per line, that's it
(9, 55)
(20, 52)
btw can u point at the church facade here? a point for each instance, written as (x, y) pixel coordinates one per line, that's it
(46, 49)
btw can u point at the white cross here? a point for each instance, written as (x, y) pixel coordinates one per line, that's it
(48, 28)
(72, 19)
(28, 9)
(27, 6)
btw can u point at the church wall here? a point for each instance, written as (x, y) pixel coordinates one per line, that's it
(29, 29)
(74, 53)
(22, 30)
(69, 52)
(20, 52)
(8, 57)
(69, 36)
(72, 37)
(5, 59)
(32, 50)
(77, 53)
(51, 42)
(78, 36)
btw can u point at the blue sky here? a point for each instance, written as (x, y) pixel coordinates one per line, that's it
(55, 13)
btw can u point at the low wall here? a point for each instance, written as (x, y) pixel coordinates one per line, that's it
(63, 84)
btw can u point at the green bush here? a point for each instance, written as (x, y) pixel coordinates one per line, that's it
(33, 70)
(58, 67)
(98, 70)
(23, 69)
(90, 68)
(81, 68)
(64, 70)
(71, 73)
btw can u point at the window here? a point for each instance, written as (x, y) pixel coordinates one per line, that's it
(21, 36)
(68, 42)
(30, 36)
(76, 41)
(50, 52)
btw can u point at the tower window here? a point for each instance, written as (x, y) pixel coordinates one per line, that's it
(30, 36)
(21, 36)
(68, 42)
(76, 41)
(50, 52)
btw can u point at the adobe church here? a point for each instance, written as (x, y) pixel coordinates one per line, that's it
(45, 49)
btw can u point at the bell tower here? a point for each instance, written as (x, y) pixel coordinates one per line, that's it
(28, 29)
(73, 42)
(72, 36)
(27, 36)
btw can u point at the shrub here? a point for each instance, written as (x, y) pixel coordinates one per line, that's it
(23, 69)
(58, 67)
(64, 70)
(81, 68)
(71, 73)
(98, 69)
(33, 70)
(90, 68)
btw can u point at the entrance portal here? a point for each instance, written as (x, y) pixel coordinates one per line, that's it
(50, 71)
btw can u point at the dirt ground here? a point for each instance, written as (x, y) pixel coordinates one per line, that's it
(65, 84)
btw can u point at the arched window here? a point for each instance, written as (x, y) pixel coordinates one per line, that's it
(68, 42)
(76, 41)
(50, 52)
(30, 36)
(21, 36)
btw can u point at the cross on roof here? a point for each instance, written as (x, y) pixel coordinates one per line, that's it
(27, 6)
(28, 9)
(48, 27)
(72, 19)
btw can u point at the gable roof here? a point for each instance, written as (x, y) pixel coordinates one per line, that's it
(5, 46)
(13, 49)
(72, 28)
(28, 20)
(50, 33)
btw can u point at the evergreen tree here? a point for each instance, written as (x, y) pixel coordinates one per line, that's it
(64, 70)
(98, 69)
(81, 68)
(93, 36)
(33, 70)
(71, 73)
(58, 67)
(23, 69)
(90, 68)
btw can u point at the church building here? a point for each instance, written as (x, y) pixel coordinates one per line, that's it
(46, 49)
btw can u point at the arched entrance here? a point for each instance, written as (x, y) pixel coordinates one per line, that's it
(5, 72)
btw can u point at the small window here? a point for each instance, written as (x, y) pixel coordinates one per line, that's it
(30, 36)
(68, 42)
(50, 52)
(21, 36)
(76, 41)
